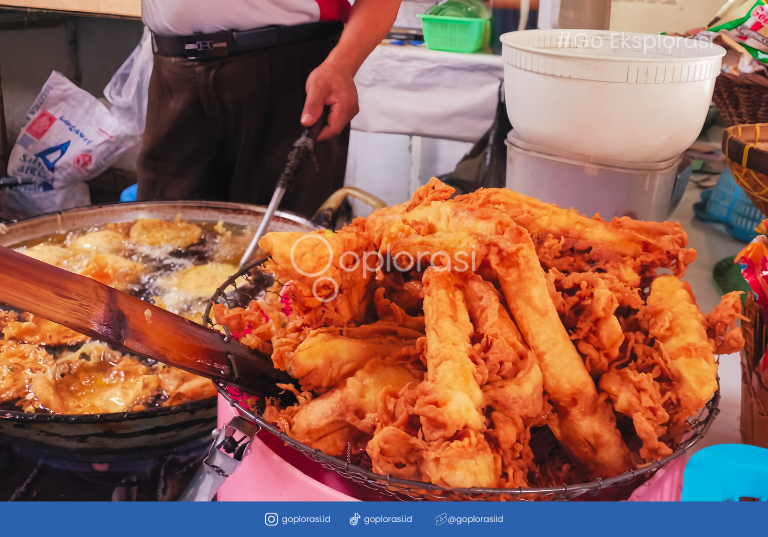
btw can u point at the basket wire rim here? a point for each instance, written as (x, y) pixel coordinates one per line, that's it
(384, 483)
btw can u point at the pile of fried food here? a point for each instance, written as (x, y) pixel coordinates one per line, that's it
(175, 264)
(446, 372)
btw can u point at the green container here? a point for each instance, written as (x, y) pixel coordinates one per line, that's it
(455, 34)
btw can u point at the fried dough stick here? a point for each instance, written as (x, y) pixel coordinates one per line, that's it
(589, 427)
(584, 423)
(450, 396)
(630, 249)
(687, 355)
(682, 360)
(515, 389)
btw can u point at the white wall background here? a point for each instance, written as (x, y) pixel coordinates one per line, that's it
(87, 51)
(654, 16)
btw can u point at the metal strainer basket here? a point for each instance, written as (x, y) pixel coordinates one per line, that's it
(251, 282)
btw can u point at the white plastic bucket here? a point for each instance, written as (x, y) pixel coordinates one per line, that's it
(613, 95)
(641, 191)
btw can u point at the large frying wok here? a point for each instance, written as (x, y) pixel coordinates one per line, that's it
(82, 435)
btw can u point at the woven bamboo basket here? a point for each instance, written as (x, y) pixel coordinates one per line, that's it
(740, 100)
(746, 148)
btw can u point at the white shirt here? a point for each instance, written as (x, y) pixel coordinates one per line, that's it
(187, 17)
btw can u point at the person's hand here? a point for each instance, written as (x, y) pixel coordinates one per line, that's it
(330, 84)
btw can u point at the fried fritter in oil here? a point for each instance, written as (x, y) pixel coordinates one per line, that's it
(176, 234)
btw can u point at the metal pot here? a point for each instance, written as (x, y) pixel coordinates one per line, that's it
(76, 436)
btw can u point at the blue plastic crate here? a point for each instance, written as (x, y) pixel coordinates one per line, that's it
(726, 473)
(728, 204)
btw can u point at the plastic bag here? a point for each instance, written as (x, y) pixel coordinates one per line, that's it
(129, 88)
(69, 137)
(27, 201)
(747, 25)
(485, 166)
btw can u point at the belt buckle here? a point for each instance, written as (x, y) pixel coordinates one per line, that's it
(206, 46)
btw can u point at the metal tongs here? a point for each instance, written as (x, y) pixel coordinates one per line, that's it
(303, 150)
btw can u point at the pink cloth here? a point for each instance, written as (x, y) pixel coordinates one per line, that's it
(665, 486)
(264, 476)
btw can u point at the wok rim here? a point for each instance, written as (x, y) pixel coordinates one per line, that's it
(113, 417)
(26, 417)
(185, 203)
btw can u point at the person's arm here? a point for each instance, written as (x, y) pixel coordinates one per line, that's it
(332, 82)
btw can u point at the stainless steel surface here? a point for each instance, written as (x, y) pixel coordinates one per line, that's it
(240, 214)
(274, 203)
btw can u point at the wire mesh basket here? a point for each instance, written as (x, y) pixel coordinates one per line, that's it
(251, 283)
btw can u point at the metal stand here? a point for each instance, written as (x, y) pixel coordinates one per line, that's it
(219, 465)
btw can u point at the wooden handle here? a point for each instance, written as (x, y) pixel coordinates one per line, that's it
(131, 325)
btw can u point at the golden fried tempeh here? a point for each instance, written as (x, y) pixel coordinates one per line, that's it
(328, 355)
(181, 386)
(463, 462)
(587, 303)
(394, 452)
(329, 284)
(192, 282)
(388, 311)
(57, 256)
(113, 270)
(354, 403)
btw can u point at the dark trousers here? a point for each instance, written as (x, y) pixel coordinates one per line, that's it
(221, 129)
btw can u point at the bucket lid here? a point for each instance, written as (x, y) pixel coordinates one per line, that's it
(588, 160)
(617, 57)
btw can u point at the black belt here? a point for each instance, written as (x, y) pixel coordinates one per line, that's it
(204, 46)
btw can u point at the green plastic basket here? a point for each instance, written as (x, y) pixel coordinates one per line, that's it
(455, 34)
